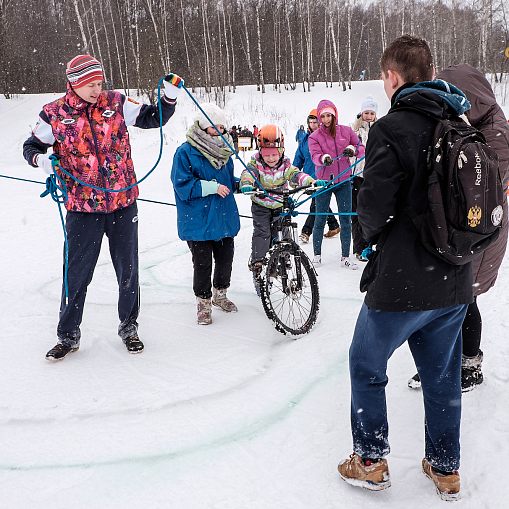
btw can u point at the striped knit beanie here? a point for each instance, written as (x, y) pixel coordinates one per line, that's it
(82, 70)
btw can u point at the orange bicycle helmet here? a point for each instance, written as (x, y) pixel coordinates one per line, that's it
(270, 136)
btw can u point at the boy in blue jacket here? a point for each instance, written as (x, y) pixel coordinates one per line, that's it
(207, 214)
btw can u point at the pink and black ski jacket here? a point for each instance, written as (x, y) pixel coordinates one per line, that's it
(92, 143)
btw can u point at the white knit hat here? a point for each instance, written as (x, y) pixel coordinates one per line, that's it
(214, 112)
(369, 104)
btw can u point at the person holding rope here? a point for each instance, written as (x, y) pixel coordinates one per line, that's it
(332, 145)
(207, 214)
(87, 129)
(302, 160)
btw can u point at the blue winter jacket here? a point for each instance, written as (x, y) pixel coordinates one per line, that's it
(302, 157)
(203, 218)
(300, 135)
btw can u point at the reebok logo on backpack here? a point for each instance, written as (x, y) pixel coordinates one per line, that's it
(465, 194)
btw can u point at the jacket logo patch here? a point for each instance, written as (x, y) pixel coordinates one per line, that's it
(496, 215)
(68, 121)
(108, 113)
(135, 219)
(132, 101)
(474, 216)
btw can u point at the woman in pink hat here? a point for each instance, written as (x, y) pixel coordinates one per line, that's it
(332, 145)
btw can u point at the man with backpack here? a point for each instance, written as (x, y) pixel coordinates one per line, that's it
(412, 294)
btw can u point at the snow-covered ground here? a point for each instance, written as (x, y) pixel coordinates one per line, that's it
(229, 416)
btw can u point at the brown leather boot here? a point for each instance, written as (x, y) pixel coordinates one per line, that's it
(448, 486)
(372, 476)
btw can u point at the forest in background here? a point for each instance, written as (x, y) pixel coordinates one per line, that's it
(220, 45)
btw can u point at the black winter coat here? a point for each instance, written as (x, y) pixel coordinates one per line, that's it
(402, 275)
(487, 116)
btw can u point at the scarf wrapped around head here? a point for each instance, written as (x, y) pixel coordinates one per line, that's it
(213, 148)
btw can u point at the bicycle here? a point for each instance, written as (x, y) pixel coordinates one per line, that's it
(287, 283)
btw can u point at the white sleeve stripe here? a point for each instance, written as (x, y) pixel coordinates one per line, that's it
(131, 112)
(43, 132)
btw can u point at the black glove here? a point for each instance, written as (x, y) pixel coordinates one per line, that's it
(349, 151)
(327, 160)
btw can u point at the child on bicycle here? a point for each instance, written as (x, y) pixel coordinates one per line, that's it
(274, 171)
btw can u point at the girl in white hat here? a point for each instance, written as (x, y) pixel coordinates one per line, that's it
(365, 119)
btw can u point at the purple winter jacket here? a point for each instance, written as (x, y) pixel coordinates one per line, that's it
(321, 143)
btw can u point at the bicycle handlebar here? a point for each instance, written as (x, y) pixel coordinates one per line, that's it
(309, 188)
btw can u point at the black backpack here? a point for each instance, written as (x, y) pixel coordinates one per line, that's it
(465, 194)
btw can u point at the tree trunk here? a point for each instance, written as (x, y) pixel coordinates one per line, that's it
(110, 61)
(80, 25)
(260, 59)
(233, 52)
(293, 84)
(156, 32)
(381, 8)
(247, 48)
(349, 42)
(336, 56)
(184, 37)
(96, 36)
(123, 75)
(311, 70)
(227, 48)
(205, 44)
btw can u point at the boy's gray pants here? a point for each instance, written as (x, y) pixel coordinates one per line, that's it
(264, 230)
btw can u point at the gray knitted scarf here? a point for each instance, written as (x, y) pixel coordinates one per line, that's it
(213, 148)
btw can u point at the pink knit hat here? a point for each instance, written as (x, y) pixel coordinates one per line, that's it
(82, 70)
(329, 109)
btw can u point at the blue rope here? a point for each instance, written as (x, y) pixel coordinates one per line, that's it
(137, 199)
(58, 194)
(231, 148)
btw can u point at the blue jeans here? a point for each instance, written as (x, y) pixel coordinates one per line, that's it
(434, 338)
(310, 220)
(343, 195)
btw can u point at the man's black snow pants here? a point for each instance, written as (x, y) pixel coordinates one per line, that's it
(84, 236)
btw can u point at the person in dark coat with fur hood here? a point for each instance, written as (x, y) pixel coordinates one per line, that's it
(487, 116)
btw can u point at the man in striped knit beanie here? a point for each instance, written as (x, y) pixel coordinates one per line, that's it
(87, 132)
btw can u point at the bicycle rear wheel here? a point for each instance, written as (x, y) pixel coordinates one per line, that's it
(289, 289)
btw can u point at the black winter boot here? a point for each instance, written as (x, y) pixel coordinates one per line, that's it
(58, 352)
(133, 344)
(471, 374)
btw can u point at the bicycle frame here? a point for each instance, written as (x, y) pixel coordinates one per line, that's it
(286, 222)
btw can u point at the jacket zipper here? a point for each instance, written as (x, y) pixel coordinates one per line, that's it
(100, 168)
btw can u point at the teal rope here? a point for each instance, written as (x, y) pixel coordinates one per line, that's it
(137, 199)
(58, 194)
(230, 147)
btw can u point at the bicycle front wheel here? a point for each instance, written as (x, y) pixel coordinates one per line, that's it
(289, 289)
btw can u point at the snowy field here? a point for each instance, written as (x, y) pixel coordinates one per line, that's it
(229, 416)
